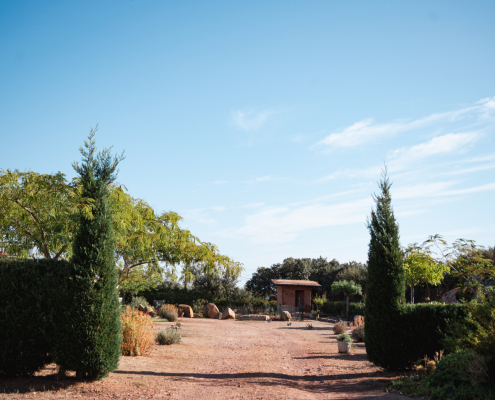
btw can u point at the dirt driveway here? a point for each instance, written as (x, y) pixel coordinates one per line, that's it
(227, 360)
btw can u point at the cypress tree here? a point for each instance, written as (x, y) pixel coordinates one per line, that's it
(90, 341)
(385, 286)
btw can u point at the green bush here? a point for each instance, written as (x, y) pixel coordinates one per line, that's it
(167, 337)
(136, 301)
(338, 308)
(31, 298)
(344, 337)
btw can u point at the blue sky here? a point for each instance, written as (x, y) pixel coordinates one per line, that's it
(265, 124)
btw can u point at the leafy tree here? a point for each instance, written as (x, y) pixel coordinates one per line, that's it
(420, 267)
(324, 272)
(92, 340)
(349, 288)
(353, 271)
(385, 287)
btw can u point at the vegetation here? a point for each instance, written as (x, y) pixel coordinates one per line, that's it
(349, 288)
(137, 301)
(386, 284)
(169, 336)
(357, 333)
(137, 332)
(344, 337)
(339, 327)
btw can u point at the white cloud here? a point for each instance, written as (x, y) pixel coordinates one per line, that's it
(250, 120)
(264, 178)
(367, 130)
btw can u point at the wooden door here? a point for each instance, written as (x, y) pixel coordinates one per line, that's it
(299, 298)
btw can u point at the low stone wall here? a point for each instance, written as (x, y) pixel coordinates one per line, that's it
(253, 317)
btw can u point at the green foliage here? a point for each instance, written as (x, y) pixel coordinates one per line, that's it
(138, 300)
(32, 293)
(385, 284)
(344, 337)
(167, 337)
(349, 288)
(90, 342)
(339, 308)
(308, 326)
(353, 271)
(339, 328)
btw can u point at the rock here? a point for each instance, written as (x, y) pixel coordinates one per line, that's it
(142, 308)
(253, 317)
(358, 320)
(285, 316)
(450, 297)
(210, 310)
(188, 311)
(218, 316)
(228, 314)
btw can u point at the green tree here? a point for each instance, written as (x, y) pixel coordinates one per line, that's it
(420, 267)
(93, 349)
(353, 271)
(349, 288)
(385, 287)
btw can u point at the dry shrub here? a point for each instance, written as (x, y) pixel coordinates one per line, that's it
(170, 336)
(357, 333)
(137, 332)
(171, 315)
(339, 327)
(163, 309)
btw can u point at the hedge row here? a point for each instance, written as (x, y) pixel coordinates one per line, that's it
(338, 308)
(31, 301)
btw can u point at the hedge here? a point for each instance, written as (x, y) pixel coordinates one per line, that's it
(338, 308)
(30, 298)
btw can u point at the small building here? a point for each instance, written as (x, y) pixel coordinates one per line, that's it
(295, 293)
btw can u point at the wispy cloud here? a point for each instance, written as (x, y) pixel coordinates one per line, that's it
(367, 130)
(264, 178)
(251, 120)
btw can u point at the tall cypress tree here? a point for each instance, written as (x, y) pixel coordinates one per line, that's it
(385, 286)
(91, 338)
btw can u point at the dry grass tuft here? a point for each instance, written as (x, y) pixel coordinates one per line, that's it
(137, 332)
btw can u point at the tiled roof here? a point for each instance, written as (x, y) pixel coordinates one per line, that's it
(290, 282)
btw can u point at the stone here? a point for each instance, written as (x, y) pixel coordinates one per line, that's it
(253, 317)
(358, 321)
(285, 316)
(188, 311)
(450, 297)
(210, 310)
(142, 308)
(228, 314)
(218, 316)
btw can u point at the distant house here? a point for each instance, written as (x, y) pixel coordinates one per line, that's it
(295, 293)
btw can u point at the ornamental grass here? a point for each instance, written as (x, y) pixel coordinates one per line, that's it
(137, 332)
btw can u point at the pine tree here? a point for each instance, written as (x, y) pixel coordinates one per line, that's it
(385, 286)
(91, 339)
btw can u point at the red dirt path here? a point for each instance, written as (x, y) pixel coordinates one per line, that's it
(227, 360)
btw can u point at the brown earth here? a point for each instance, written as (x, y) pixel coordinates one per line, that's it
(226, 359)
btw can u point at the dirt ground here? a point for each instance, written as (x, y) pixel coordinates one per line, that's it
(227, 360)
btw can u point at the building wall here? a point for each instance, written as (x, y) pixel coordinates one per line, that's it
(286, 296)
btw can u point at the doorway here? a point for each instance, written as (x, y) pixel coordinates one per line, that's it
(299, 298)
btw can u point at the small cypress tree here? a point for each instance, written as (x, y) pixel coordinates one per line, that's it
(385, 286)
(90, 342)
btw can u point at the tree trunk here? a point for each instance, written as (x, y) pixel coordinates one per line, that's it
(412, 293)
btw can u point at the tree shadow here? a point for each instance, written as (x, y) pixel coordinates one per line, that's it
(45, 383)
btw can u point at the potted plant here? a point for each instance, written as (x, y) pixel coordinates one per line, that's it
(344, 342)
(181, 312)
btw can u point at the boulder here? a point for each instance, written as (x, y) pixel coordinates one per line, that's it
(142, 308)
(210, 310)
(188, 311)
(285, 316)
(228, 314)
(450, 297)
(358, 320)
(253, 317)
(218, 316)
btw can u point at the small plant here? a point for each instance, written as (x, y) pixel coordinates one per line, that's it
(167, 337)
(137, 332)
(198, 306)
(309, 326)
(269, 319)
(357, 334)
(339, 327)
(168, 311)
(344, 337)
(171, 316)
(289, 323)
(178, 325)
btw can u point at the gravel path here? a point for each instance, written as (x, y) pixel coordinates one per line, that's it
(227, 360)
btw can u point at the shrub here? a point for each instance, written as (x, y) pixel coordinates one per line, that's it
(163, 309)
(357, 334)
(198, 305)
(169, 336)
(137, 332)
(33, 294)
(339, 327)
(136, 301)
(339, 308)
(344, 337)
(171, 315)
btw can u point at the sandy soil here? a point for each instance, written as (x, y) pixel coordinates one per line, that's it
(227, 360)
